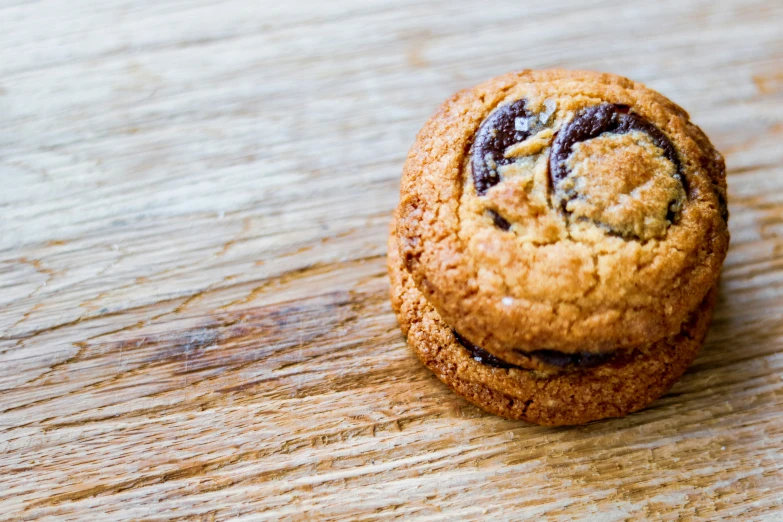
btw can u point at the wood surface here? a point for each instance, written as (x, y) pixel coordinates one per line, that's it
(194, 322)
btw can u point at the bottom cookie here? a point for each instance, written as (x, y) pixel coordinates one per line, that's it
(619, 386)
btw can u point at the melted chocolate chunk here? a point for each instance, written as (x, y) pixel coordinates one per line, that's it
(504, 127)
(480, 354)
(588, 124)
(550, 357)
(499, 220)
(594, 121)
(561, 360)
(631, 122)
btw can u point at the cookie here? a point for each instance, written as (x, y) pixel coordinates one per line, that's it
(575, 394)
(557, 245)
(570, 212)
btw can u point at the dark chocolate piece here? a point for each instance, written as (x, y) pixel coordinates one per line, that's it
(480, 354)
(631, 122)
(561, 360)
(587, 124)
(593, 121)
(499, 220)
(550, 357)
(497, 133)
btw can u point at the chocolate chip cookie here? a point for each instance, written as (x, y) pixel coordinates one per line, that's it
(557, 245)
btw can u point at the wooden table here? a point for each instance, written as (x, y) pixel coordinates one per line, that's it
(194, 320)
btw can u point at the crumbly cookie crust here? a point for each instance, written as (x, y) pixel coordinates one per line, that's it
(613, 389)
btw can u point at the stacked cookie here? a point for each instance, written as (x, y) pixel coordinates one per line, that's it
(557, 246)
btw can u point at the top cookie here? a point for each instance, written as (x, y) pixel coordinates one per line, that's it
(562, 210)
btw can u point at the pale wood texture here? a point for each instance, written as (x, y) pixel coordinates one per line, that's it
(194, 319)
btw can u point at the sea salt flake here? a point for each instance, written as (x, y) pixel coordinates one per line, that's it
(507, 301)
(521, 124)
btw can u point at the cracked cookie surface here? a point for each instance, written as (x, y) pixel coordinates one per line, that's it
(573, 212)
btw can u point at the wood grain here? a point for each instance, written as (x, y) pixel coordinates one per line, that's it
(194, 319)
